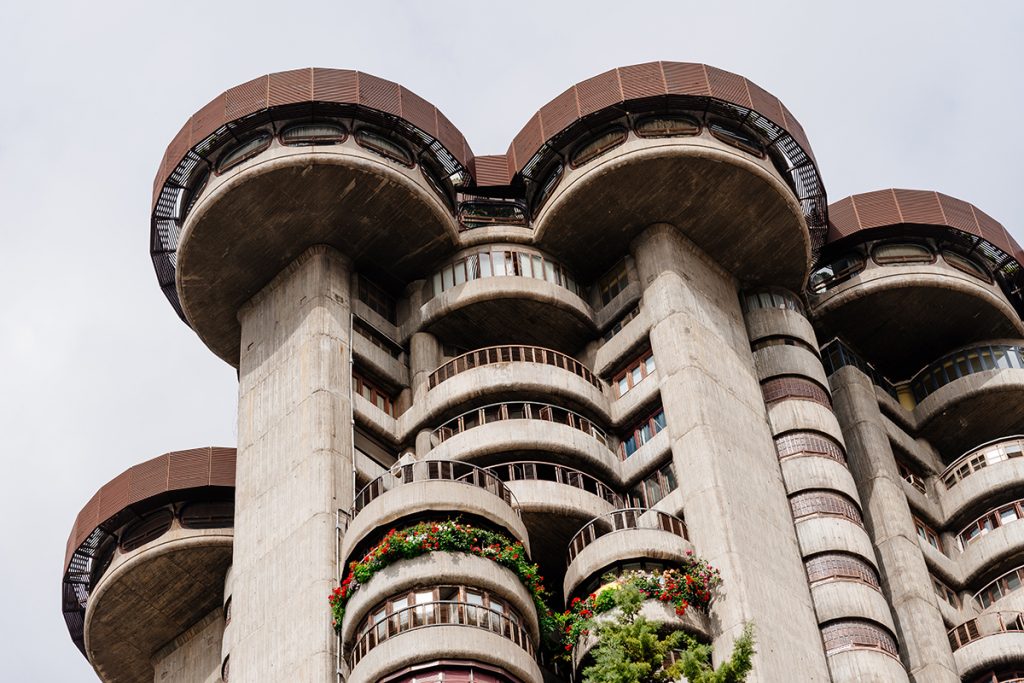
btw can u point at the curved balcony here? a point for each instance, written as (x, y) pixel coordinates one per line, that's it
(173, 513)
(435, 487)
(989, 641)
(992, 471)
(524, 427)
(630, 533)
(980, 458)
(981, 386)
(938, 305)
(444, 630)
(865, 665)
(843, 599)
(511, 354)
(506, 285)
(646, 131)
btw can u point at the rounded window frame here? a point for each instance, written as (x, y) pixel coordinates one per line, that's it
(737, 137)
(313, 142)
(902, 262)
(225, 162)
(978, 271)
(127, 545)
(382, 150)
(693, 120)
(577, 158)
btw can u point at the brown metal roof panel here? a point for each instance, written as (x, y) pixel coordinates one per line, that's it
(418, 111)
(491, 170)
(842, 219)
(148, 479)
(188, 469)
(246, 99)
(683, 78)
(559, 113)
(222, 466)
(642, 80)
(958, 214)
(451, 138)
(114, 496)
(876, 209)
(88, 519)
(728, 86)
(766, 104)
(993, 231)
(599, 92)
(289, 87)
(207, 120)
(380, 94)
(528, 141)
(335, 85)
(919, 206)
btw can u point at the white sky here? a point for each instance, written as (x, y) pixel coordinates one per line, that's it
(99, 374)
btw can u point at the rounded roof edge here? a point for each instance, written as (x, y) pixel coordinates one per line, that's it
(641, 81)
(885, 208)
(311, 84)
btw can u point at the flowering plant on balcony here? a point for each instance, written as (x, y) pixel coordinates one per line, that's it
(447, 536)
(691, 585)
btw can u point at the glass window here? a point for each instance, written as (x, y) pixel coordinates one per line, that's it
(966, 264)
(597, 145)
(738, 138)
(902, 252)
(244, 151)
(635, 372)
(669, 125)
(380, 144)
(305, 134)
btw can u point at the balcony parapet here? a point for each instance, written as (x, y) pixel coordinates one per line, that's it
(511, 354)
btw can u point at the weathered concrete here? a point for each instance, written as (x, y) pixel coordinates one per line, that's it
(294, 470)
(845, 599)
(194, 656)
(989, 652)
(735, 501)
(627, 544)
(865, 666)
(887, 517)
(774, 322)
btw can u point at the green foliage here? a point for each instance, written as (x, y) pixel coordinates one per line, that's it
(630, 650)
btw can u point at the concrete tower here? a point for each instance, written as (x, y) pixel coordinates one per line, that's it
(640, 332)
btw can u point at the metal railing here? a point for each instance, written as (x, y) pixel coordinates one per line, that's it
(989, 624)
(836, 354)
(965, 362)
(515, 410)
(481, 214)
(442, 613)
(508, 354)
(980, 457)
(543, 471)
(624, 520)
(434, 470)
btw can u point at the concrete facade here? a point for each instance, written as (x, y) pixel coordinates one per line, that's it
(635, 335)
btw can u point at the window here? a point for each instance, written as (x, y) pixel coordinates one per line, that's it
(855, 634)
(548, 185)
(927, 534)
(150, 527)
(798, 388)
(597, 145)
(738, 138)
(373, 393)
(800, 443)
(479, 214)
(643, 432)
(655, 487)
(619, 324)
(306, 134)
(244, 151)
(384, 146)
(773, 298)
(946, 593)
(503, 263)
(911, 477)
(963, 363)
(815, 502)
(634, 373)
(1004, 585)
(836, 272)
(379, 301)
(980, 459)
(669, 125)
(379, 340)
(208, 515)
(990, 521)
(840, 566)
(613, 282)
(966, 264)
(901, 252)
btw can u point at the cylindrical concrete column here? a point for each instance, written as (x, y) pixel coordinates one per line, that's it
(294, 470)
(905, 577)
(424, 356)
(733, 495)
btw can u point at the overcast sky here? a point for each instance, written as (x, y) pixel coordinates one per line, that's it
(100, 374)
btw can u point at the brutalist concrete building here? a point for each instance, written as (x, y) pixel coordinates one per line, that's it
(640, 332)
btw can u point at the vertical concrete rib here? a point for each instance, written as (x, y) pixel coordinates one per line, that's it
(905, 577)
(734, 499)
(294, 470)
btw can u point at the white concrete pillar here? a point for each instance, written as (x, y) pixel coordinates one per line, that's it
(734, 500)
(294, 471)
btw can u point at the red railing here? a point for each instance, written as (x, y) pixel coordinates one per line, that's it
(989, 624)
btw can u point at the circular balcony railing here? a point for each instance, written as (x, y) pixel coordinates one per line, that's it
(442, 613)
(965, 362)
(509, 354)
(543, 471)
(624, 520)
(516, 410)
(980, 457)
(989, 624)
(434, 470)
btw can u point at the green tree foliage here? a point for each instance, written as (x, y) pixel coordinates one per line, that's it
(630, 650)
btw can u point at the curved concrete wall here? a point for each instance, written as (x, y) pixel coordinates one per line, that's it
(811, 472)
(628, 544)
(845, 599)
(990, 652)
(772, 361)
(824, 534)
(865, 666)
(773, 322)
